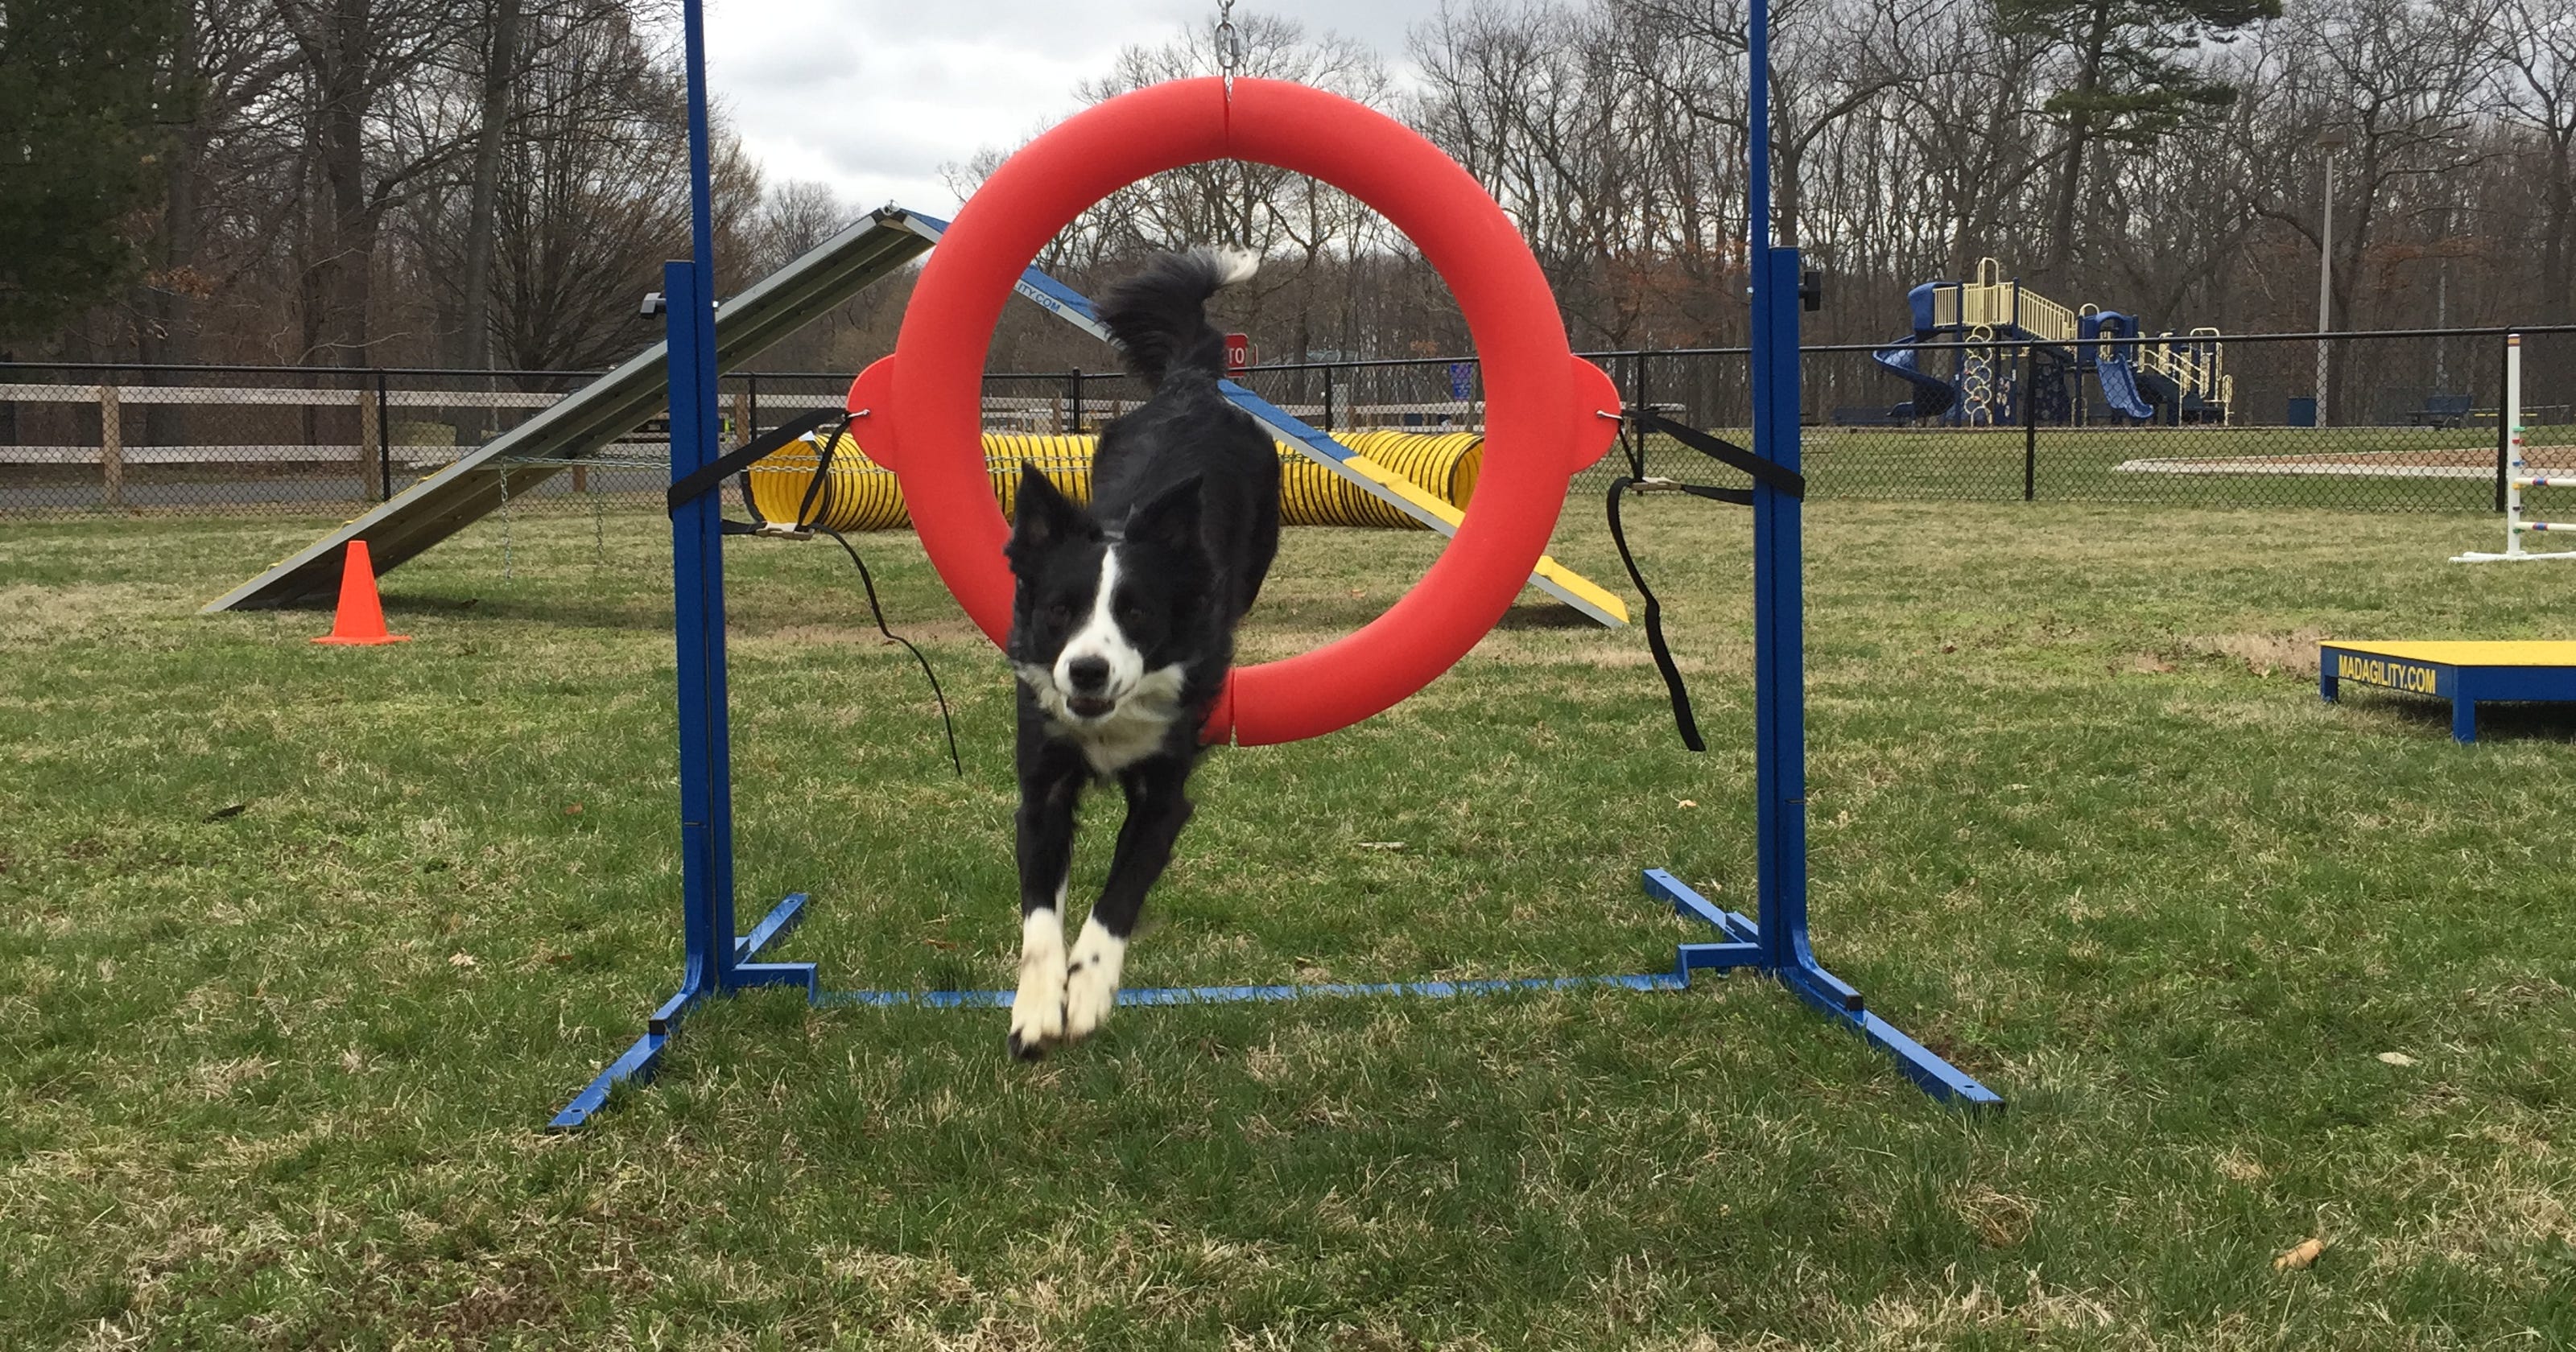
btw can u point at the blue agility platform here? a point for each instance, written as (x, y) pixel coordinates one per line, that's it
(719, 960)
(2465, 673)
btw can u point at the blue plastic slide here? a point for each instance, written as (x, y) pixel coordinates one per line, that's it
(2120, 385)
(2115, 365)
(1932, 394)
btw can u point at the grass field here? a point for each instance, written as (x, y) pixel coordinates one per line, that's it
(300, 946)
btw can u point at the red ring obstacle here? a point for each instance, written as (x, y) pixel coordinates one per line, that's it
(1548, 412)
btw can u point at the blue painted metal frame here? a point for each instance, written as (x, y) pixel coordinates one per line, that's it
(1776, 944)
(720, 961)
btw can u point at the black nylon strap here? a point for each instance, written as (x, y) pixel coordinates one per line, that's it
(822, 475)
(1672, 672)
(1635, 422)
(715, 472)
(869, 582)
(1741, 497)
(1724, 452)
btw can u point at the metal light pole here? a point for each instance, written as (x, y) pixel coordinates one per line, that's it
(2329, 141)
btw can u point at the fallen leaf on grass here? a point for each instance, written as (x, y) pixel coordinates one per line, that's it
(1688, 803)
(1381, 844)
(222, 812)
(2301, 1255)
(573, 811)
(2397, 1058)
(462, 960)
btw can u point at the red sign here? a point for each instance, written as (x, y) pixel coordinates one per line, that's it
(1238, 352)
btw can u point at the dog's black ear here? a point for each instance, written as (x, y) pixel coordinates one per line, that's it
(1170, 519)
(1043, 517)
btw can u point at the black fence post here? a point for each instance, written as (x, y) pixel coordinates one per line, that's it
(2029, 422)
(751, 407)
(384, 440)
(2504, 433)
(1328, 399)
(1073, 402)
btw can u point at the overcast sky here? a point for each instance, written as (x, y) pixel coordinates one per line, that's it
(872, 96)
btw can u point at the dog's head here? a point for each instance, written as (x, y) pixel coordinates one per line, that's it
(1096, 614)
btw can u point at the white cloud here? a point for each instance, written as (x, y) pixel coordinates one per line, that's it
(873, 96)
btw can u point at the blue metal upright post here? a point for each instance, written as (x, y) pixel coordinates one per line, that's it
(1774, 940)
(697, 562)
(717, 962)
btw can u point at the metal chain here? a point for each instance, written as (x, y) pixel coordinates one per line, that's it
(1229, 44)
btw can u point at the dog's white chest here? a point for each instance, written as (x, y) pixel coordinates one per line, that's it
(1120, 740)
(1126, 736)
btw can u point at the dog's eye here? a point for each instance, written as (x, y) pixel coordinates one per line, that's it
(1056, 616)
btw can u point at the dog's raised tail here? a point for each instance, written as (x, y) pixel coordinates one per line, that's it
(1158, 316)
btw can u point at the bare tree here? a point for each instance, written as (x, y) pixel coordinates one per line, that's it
(357, 56)
(2537, 45)
(501, 65)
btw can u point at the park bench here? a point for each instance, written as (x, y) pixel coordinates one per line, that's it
(2442, 410)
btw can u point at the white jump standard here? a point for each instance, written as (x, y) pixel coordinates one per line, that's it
(2519, 477)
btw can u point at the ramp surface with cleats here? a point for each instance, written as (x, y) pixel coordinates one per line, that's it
(586, 421)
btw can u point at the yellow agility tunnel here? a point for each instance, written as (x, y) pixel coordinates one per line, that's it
(860, 494)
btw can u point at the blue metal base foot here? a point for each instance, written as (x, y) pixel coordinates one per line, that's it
(642, 1059)
(1744, 948)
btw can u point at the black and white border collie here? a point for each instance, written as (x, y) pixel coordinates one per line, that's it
(1122, 629)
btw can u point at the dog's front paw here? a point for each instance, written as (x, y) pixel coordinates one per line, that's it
(1091, 980)
(1037, 1010)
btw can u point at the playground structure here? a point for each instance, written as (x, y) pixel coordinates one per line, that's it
(2014, 355)
(1550, 414)
(2518, 476)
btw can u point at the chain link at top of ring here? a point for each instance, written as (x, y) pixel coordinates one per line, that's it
(1229, 44)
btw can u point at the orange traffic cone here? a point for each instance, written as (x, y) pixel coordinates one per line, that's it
(362, 616)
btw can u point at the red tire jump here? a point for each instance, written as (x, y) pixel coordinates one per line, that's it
(1548, 413)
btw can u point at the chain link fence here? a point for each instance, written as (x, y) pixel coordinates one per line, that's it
(2410, 422)
(243, 439)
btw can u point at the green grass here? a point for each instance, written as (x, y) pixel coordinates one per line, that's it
(274, 1078)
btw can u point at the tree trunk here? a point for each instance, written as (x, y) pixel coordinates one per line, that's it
(500, 68)
(169, 311)
(344, 272)
(2557, 250)
(2079, 135)
(1788, 149)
